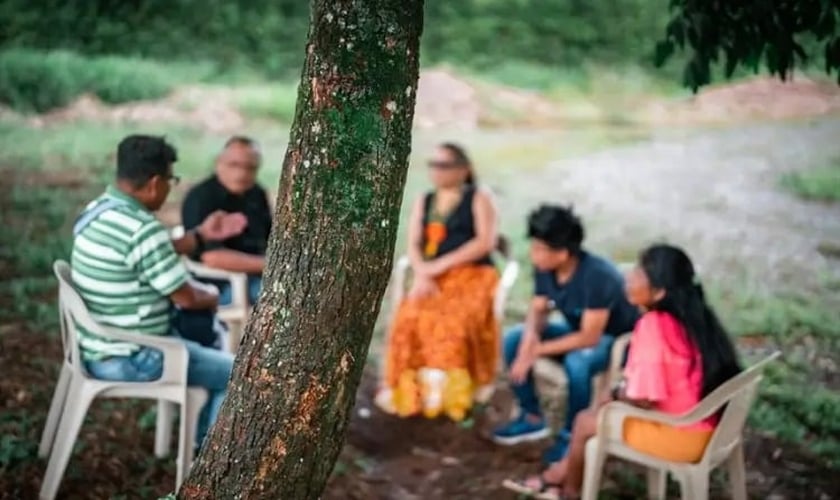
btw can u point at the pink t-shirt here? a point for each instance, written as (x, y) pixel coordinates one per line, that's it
(665, 367)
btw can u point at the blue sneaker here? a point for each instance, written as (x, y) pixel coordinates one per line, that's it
(558, 450)
(521, 430)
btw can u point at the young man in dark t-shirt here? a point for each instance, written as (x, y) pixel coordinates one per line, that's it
(233, 188)
(589, 292)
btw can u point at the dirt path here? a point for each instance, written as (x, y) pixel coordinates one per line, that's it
(715, 192)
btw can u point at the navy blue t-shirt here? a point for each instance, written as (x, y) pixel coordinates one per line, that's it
(596, 284)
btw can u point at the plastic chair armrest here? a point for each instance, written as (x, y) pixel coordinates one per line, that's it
(238, 281)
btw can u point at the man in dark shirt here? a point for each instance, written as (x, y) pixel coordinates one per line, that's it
(234, 189)
(589, 292)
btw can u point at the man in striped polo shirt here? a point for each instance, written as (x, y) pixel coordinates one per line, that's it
(128, 272)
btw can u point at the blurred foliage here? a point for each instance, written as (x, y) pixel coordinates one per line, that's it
(270, 35)
(39, 81)
(267, 37)
(778, 34)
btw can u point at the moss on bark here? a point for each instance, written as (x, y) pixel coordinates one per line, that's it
(301, 359)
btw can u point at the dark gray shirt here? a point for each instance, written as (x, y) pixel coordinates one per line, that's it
(596, 284)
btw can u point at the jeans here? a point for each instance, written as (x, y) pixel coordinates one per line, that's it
(580, 365)
(207, 368)
(254, 287)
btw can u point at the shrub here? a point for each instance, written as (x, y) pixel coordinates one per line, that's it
(818, 183)
(37, 81)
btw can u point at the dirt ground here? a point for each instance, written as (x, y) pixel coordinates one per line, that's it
(383, 458)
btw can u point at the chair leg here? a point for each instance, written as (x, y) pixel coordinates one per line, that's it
(67, 432)
(593, 466)
(599, 381)
(694, 484)
(657, 483)
(737, 474)
(224, 342)
(54, 415)
(163, 427)
(484, 393)
(235, 336)
(190, 410)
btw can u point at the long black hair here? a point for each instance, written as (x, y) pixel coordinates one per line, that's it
(668, 268)
(459, 154)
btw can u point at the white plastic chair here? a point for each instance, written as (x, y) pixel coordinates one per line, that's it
(510, 271)
(76, 389)
(725, 446)
(234, 314)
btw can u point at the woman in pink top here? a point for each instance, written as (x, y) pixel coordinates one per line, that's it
(679, 353)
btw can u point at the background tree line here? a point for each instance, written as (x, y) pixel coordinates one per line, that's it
(270, 34)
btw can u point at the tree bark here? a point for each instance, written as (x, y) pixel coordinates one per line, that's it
(294, 381)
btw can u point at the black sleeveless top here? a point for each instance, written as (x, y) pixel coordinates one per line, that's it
(460, 225)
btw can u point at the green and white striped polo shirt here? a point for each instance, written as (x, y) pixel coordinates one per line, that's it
(124, 267)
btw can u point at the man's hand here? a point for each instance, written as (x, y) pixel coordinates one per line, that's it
(196, 296)
(206, 289)
(520, 367)
(221, 225)
(422, 287)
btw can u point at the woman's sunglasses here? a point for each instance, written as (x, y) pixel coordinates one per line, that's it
(443, 165)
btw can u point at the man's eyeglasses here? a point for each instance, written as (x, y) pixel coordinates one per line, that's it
(173, 180)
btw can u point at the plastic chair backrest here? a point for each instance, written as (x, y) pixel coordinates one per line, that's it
(510, 271)
(63, 321)
(737, 394)
(69, 301)
(74, 313)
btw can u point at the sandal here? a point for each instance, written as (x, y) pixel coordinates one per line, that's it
(542, 491)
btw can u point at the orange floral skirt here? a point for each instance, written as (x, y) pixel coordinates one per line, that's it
(446, 343)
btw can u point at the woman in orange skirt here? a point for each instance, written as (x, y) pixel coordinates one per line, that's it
(444, 340)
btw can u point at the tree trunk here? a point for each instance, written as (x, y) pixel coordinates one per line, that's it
(283, 422)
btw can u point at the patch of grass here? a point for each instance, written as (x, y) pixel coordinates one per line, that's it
(37, 81)
(820, 183)
(788, 319)
(36, 219)
(794, 409)
(531, 76)
(15, 449)
(90, 146)
(797, 402)
(273, 102)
